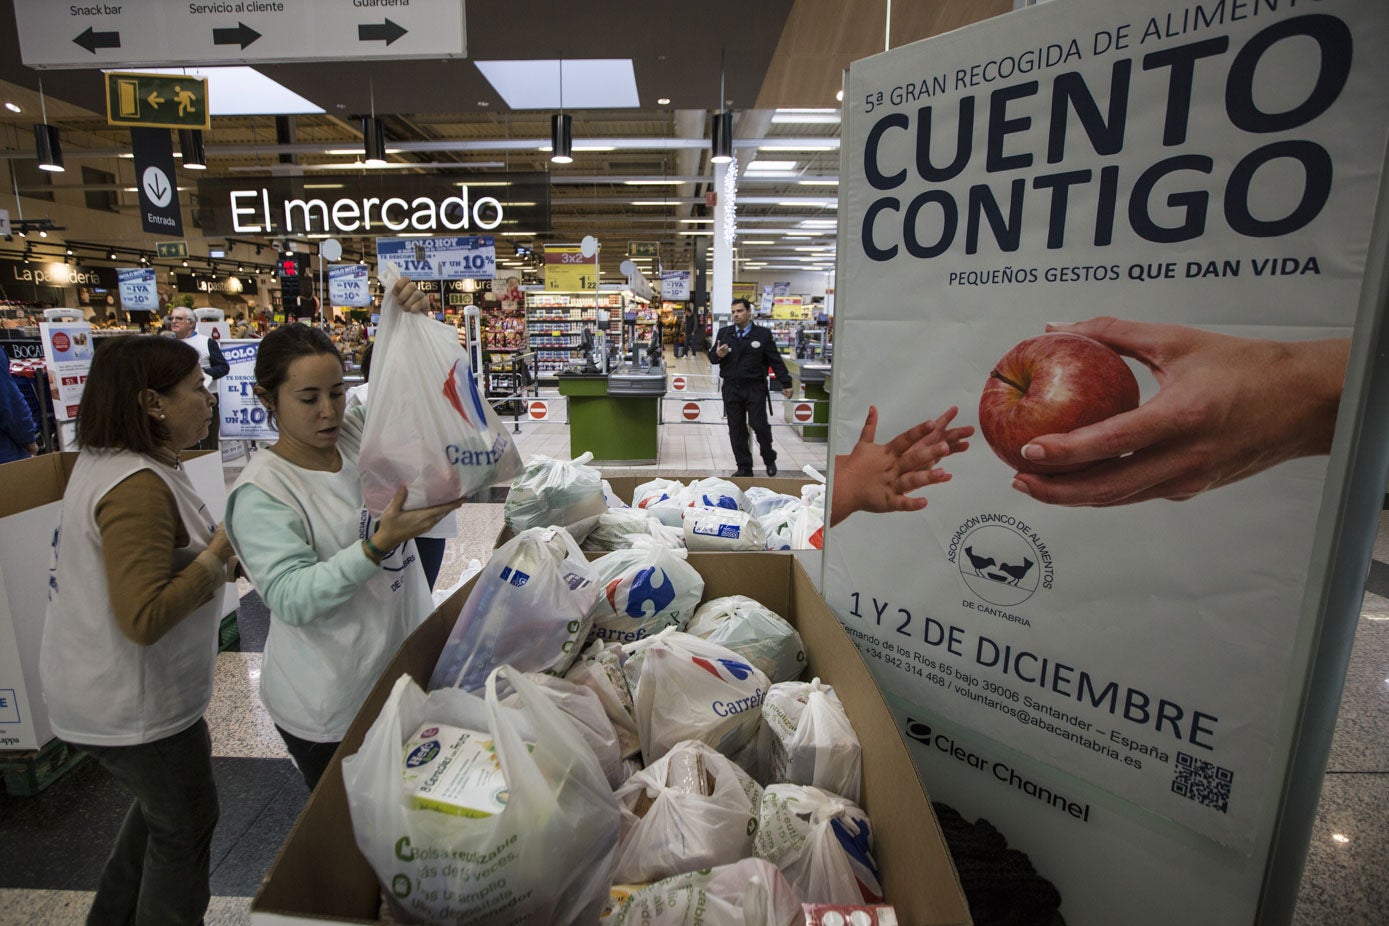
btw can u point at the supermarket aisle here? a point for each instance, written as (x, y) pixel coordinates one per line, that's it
(52, 846)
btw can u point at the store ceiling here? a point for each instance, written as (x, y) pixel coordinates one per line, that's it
(445, 116)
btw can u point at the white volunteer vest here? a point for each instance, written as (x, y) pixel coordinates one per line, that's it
(315, 676)
(199, 343)
(101, 688)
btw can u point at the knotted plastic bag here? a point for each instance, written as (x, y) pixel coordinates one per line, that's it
(822, 843)
(754, 631)
(646, 589)
(807, 739)
(750, 892)
(690, 809)
(529, 609)
(563, 493)
(427, 426)
(546, 858)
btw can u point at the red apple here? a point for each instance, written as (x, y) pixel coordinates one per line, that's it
(1052, 384)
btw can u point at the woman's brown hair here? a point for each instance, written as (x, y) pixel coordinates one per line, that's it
(111, 415)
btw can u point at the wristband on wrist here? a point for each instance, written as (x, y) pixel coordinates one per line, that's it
(373, 551)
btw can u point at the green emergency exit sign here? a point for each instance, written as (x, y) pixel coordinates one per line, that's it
(172, 101)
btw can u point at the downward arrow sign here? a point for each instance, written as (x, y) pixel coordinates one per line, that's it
(156, 189)
(374, 32)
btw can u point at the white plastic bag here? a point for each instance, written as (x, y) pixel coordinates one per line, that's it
(714, 492)
(753, 631)
(750, 892)
(427, 427)
(690, 809)
(721, 530)
(599, 669)
(777, 524)
(561, 493)
(808, 527)
(616, 527)
(807, 739)
(610, 497)
(553, 845)
(583, 707)
(765, 501)
(656, 491)
(529, 609)
(822, 843)
(644, 590)
(690, 689)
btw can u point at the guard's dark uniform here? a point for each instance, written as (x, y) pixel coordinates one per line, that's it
(744, 377)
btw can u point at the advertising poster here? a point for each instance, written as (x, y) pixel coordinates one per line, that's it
(567, 269)
(347, 285)
(456, 258)
(240, 414)
(675, 285)
(139, 291)
(67, 353)
(1099, 655)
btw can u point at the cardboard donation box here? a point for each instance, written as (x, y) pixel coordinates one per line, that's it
(320, 876)
(30, 506)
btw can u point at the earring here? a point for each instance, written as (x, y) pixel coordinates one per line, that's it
(162, 417)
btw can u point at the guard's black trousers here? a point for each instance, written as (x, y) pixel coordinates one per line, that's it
(744, 404)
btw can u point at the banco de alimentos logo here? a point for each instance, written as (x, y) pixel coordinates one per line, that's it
(1002, 559)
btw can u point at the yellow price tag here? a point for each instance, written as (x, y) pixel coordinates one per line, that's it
(567, 270)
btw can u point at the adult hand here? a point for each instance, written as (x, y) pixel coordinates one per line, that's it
(877, 477)
(410, 299)
(1226, 408)
(399, 524)
(722, 349)
(220, 544)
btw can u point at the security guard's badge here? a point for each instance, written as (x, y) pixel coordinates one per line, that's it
(756, 343)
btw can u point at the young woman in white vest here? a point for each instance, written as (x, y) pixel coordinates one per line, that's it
(130, 639)
(344, 590)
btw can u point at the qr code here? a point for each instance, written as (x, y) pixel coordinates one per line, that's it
(1204, 782)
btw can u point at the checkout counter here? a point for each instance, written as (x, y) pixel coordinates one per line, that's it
(615, 416)
(809, 380)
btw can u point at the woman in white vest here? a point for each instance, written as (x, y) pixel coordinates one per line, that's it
(130, 639)
(343, 590)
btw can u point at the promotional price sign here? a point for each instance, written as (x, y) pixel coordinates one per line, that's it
(567, 269)
(1105, 655)
(240, 415)
(675, 285)
(138, 289)
(67, 353)
(347, 285)
(450, 258)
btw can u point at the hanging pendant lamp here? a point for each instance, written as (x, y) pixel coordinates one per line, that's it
(48, 148)
(374, 141)
(721, 138)
(190, 143)
(562, 138)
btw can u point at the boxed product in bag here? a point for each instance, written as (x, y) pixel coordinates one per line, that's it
(561, 493)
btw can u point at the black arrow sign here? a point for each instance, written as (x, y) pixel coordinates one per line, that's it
(93, 40)
(242, 35)
(387, 31)
(156, 189)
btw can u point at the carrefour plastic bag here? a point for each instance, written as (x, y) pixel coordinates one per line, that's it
(663, 498)
(610, 497)
(616, 528)
(764, 500)
(822, 843)
(427, 427)
(599, 669)
(777, 525)
(808, 527)
(750, 892)
(714, 492)
(553, 843)
(691, 689)
(690, 809)
(583, 707)
(722, 530)
(529, 609)
(753, 631)
(644, 590)
(807, 739)
(563, 493)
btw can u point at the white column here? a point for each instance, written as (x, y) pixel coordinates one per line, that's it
(721, 287)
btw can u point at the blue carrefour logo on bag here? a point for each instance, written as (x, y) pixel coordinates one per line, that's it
(514, 577)
(649, 585)
(719, 501)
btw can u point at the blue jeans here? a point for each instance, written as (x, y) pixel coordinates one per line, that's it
(158, 870)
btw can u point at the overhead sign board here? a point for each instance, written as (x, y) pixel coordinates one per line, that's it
(568, 270)
(138, 288)
(114, 35)
(458, 258)
(347, 285)
(643, 249)
(171, 248)
(155, 180)
(157, 100)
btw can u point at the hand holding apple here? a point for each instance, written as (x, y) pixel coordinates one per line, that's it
(1226, 409)
(1052, 384)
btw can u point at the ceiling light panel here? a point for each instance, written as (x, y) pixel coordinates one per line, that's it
(589, 83)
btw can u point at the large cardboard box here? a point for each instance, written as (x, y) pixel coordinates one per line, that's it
(625, 486)
(319, 875)
(30, 505)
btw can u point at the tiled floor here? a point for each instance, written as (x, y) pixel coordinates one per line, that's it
(52, 846)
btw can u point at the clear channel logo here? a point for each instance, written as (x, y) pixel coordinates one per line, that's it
(1001, 559)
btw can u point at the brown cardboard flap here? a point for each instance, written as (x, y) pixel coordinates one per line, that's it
(36, 481)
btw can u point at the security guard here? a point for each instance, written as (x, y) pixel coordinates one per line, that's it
(743, 352)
